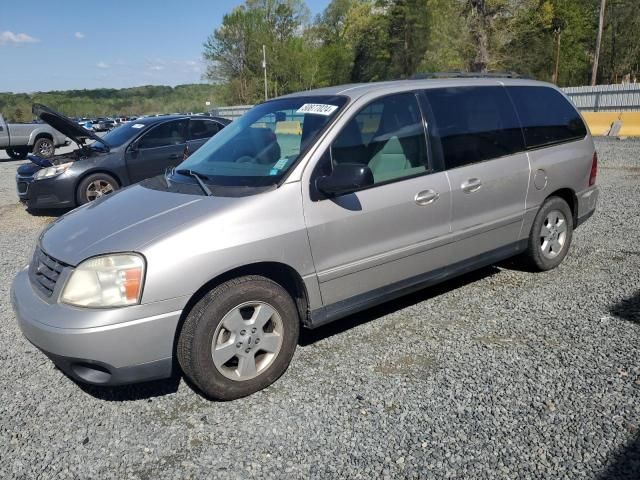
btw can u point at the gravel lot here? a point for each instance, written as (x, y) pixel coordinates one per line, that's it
(499, 374)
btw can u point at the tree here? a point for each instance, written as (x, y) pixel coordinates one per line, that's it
(448, 46)
(234, 50)
(17, 115)
(328, 35)
(620, 50)
(550, 40)
(232, 53)
(481, 16)
(368, 35)
(408, 24)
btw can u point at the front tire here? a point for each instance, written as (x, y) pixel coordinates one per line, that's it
(550, 235)
(17, 153)
(95, 186)
(239, 338)
(44, 147)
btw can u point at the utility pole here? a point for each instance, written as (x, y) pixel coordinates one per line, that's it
(556, 69)
(264, 67)
(594, 72)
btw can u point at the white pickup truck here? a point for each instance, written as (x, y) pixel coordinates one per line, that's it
(18, 139)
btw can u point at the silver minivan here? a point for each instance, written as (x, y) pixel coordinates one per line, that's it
(306, 209)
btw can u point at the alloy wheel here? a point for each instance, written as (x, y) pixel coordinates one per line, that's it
(45, 149)
(553, 234)
(97, 189)
(247, 340)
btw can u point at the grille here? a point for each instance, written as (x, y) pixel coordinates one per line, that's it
(44, 272)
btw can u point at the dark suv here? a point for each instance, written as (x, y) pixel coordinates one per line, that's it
(132, 152)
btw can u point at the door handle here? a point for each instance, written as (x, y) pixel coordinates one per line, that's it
(471, 185)
(174, 156)
(426, 197)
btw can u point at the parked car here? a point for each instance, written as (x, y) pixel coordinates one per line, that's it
(128, 154)
(386, 189)
(18, 139)
(103, 125)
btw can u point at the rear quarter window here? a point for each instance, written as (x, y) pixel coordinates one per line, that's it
(547, 117)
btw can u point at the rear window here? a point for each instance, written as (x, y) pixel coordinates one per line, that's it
(547, 116)
(201, 129)
(473, 124)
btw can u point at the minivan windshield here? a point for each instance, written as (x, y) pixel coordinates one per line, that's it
(260, 147)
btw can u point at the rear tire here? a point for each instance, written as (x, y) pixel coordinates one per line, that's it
(239, 338)
(550, 235)
(95, 186)
(44, 147)
(17, 153)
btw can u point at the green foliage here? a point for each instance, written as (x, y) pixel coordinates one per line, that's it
(370, 40)
(234, 50)
(620, 54)
(110, 102)
(531, 49)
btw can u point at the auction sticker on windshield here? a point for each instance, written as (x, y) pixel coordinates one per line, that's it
(317, 109)
(138, 125)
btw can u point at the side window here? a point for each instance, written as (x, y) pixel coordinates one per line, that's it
(473, 124)
(165, 134)
(388, 136)
(202, 129)
(547, 117)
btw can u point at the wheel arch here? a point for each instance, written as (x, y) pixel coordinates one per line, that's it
(40, 135)
(281, 273)
(98, 170)
(569, 196)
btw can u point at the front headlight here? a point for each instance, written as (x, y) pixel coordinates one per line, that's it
(52, 171)
(106, 281)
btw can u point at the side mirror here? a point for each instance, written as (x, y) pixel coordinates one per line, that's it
(345, 178)
(134, 146)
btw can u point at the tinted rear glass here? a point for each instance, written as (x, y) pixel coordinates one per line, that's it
(547, 116)
(473, 124)
(200, 129)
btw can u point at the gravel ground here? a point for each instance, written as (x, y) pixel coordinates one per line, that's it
(499, 374)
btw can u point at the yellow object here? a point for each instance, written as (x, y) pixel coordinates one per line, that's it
(630, 124)
(289, 127)
(600, 122)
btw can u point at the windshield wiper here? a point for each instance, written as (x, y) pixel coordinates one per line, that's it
(198, 177)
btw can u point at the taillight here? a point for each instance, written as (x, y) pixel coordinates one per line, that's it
(594, 169)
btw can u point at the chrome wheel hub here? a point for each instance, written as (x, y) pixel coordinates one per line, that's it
(247, 340)
(553, 234)
(98, 188)
(45, 148)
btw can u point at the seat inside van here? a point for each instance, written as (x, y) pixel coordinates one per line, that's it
(396, 148)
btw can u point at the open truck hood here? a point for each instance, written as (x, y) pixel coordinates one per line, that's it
(65, 125)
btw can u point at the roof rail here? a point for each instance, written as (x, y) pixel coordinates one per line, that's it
(460, 74)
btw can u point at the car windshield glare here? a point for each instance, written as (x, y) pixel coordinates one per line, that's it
(260, 147)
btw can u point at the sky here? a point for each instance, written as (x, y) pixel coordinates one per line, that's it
(71, 44)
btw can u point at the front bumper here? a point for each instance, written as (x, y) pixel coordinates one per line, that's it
(123, 345)
(56, 192)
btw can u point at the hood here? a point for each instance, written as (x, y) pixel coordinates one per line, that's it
(65, 125)
(123, 222)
